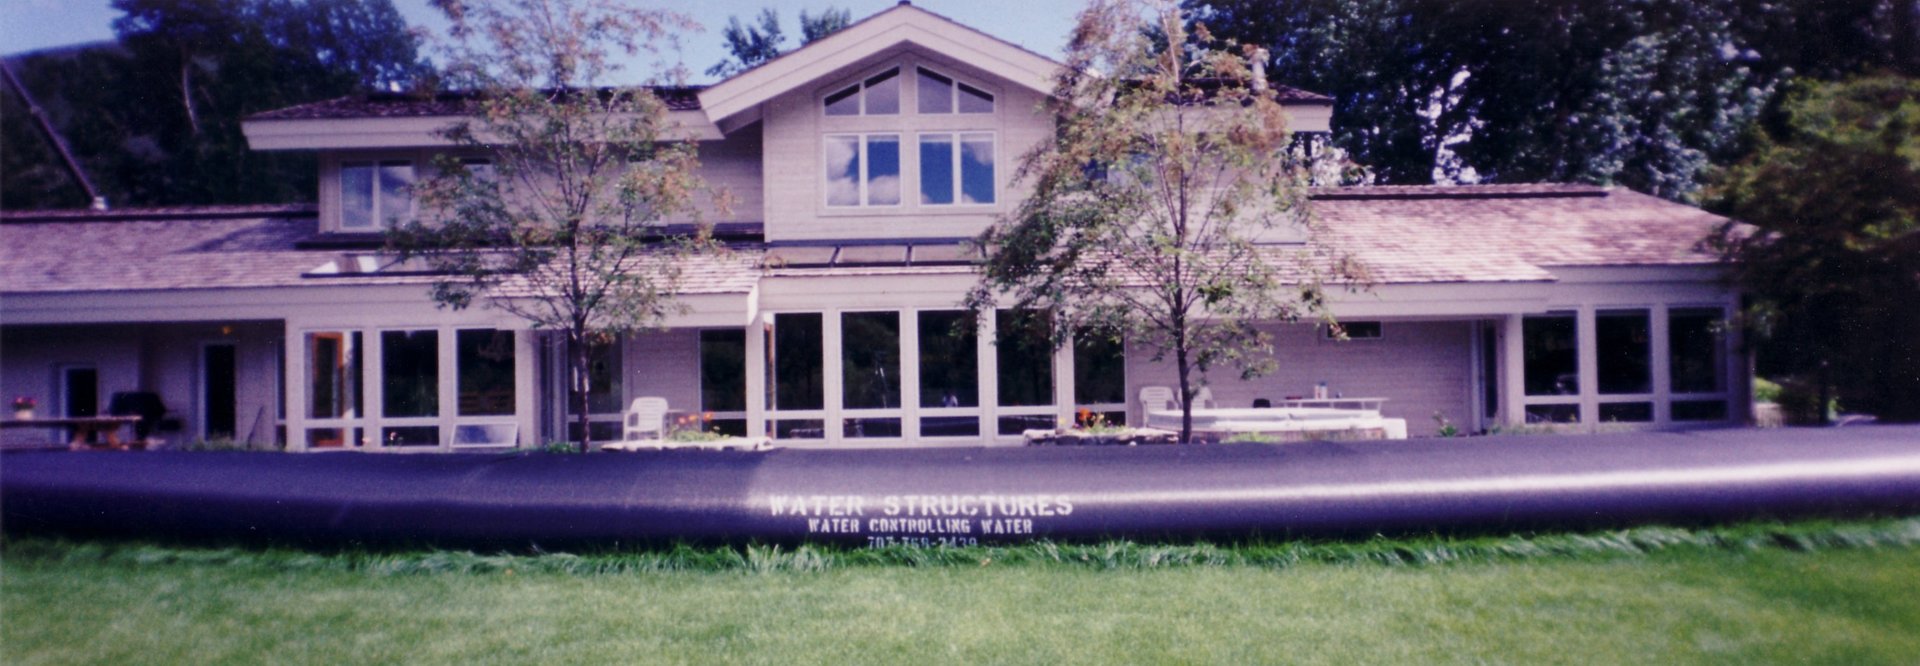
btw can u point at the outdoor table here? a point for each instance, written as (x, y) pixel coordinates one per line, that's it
(84, 427)
(1373, 404)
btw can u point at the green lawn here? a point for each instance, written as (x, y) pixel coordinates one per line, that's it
(1646, 597)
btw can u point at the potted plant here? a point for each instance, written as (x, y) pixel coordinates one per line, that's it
(23, 407)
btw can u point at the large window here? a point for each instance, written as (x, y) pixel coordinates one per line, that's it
(870, 360)
(1625, 351)
(1552, 349)
(949, 375)
(1695, 339)
(797, 362)
(1024, 363)
(941, 94)
(410, 385)
(956, 167)
(879, 95)
(375, 195)
(863, 169)
(723, 379)
(485, 363)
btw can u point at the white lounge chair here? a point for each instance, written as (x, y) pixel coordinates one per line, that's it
(645, 415)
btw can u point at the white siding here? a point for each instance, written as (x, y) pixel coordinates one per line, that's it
(1420, 367)
(665, 364)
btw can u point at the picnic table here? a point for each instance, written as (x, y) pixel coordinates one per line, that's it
(84, 428)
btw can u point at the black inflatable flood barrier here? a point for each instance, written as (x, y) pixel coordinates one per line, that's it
(954, 496)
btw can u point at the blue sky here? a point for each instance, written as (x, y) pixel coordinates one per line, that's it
(1040, 25)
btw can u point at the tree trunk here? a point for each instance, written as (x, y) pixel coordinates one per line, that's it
(1185, 369)
(581, 357)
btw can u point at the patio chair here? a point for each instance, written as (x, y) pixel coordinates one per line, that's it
(1203, 399)
(1154, 398)
(645, 415)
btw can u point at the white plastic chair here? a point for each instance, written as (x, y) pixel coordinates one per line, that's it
(1203, 399)
(1154, 398)
(645, 415)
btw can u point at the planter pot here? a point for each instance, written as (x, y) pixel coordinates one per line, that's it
(23, 414)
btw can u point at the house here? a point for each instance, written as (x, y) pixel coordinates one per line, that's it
(1491, 306)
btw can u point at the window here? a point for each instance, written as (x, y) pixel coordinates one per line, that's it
(1100, 377)
(374, 195)
(1025, 358)
(876, 96)
(723, 379)
(1354, 330)
(410, 373)
(1625, 350)
(1551, 347)
(967, 171)
(604, 391)
(949, 360)
(870, 360)
(863, 170)
(484, 358)
(1694, 342)
(942, 94)
(797, 364)
(333, 375)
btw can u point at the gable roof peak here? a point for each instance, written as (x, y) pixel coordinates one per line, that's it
(903, 23)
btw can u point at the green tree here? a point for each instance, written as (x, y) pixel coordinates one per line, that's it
(566, 226)
(829, 21)
(1644, 93)
(1157, 201)
(156, 117)
(1832, 259)
(751, 45)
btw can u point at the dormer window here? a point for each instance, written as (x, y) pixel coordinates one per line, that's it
(375, 195)
(879, 95)
(942, 94)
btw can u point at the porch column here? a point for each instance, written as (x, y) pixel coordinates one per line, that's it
(757, 376)
(1513, 376)
(294, 349)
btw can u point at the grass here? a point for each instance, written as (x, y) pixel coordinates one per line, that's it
(1802, 592)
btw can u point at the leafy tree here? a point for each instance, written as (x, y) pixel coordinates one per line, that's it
(156, 117)
(565, 228)
(1645, 93)
(1832, 261)
(829, 21)
(751, 45)
(1154, 199)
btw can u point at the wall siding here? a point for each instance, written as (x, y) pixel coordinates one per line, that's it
(1420, 367)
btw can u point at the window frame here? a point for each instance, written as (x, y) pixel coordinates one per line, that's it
(956, 139)
(861, 142)
(379, 221)
(953, 94)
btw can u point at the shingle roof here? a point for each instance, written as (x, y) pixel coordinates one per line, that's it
(1500, 233)
(409, 105)
(219, 247)
(1402, 235)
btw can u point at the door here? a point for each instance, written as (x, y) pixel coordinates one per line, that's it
(218, 392)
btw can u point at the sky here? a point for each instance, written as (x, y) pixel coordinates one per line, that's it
(1039, 25)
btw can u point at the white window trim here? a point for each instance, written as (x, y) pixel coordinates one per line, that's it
(861, 139)
(953, 93)
(959, 196)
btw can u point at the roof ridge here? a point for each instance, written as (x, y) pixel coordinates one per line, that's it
(1459, 191)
